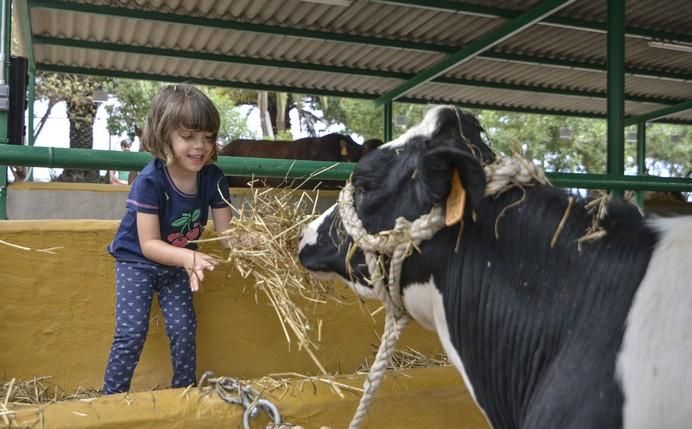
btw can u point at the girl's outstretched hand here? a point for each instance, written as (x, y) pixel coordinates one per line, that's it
(195, 269)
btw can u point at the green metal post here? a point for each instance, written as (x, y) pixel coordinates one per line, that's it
(388, 108)
(5, 37)
(30, 119)
(641, 158)
(616, 88)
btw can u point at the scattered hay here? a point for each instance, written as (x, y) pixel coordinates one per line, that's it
(263, 238)
(37, 391)
(408, 359)
(29, 249)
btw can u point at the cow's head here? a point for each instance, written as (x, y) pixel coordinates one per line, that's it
(349, 150)
(403, 178)
(370, 145)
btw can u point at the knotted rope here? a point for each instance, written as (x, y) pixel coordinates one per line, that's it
(511, 170)
(398, 243)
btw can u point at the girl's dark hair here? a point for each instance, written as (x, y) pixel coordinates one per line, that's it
(178, 106)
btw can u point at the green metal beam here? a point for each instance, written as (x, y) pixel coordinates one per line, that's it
(659, 113)
(221, 58)
(555, 21)
(483, 43)
(225, 24)
(616, 88)
(641, 157)
(584, 66)
(116, 160)
(6, 24)
(641, 148)
(209, 82)
(336, 37)
(196, 55)
(620, 183)
(244, 85)
(388, 120)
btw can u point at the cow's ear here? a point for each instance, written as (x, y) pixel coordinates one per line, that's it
(437, 169)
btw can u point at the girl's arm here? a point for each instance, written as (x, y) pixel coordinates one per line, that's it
(163, 253)
(222, 220)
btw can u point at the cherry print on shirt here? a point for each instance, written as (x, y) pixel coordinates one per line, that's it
(190, 229)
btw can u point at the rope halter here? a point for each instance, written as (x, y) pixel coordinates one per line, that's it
(398, 243)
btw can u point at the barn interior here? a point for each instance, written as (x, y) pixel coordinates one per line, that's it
(629, 62)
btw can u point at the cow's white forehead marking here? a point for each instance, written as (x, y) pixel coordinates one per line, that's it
(426, 128)
(310, 231)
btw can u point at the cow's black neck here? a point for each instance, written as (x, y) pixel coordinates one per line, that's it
(538, 328)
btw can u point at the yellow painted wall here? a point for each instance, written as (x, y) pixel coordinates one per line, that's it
(427, 398)
(57, 317)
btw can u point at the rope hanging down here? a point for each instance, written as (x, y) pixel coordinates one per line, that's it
(397, 243)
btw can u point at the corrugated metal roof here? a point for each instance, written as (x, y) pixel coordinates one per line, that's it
(368, 48)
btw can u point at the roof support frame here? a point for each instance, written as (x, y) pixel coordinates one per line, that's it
(483, 43)
(388, 120)
(234, 59)
(615, 159)
(6, 31)
(554, 21)
(641, 158)
(344, 38)
(657, 114)
(262, 87)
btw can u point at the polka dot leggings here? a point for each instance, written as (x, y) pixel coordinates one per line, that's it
(135, 285)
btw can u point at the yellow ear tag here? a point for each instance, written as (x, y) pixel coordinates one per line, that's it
(456, 201)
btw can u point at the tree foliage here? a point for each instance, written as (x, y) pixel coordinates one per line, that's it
(581, 147)
(133, 99)
(364, 118)
(76, 91)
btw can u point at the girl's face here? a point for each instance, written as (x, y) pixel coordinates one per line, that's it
(192, 150)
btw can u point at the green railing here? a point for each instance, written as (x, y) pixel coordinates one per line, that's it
(265, 167)
(114, 160)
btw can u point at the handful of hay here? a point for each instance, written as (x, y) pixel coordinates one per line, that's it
(263, 237)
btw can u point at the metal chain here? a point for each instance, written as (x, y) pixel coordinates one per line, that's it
(234, 392)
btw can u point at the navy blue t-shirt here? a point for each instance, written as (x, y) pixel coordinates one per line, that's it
(182, 216)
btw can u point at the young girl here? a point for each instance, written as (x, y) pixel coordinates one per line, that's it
(167, 207)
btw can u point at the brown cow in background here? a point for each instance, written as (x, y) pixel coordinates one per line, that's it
(332, 147)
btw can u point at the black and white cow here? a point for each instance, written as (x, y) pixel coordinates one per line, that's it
(590, 336)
